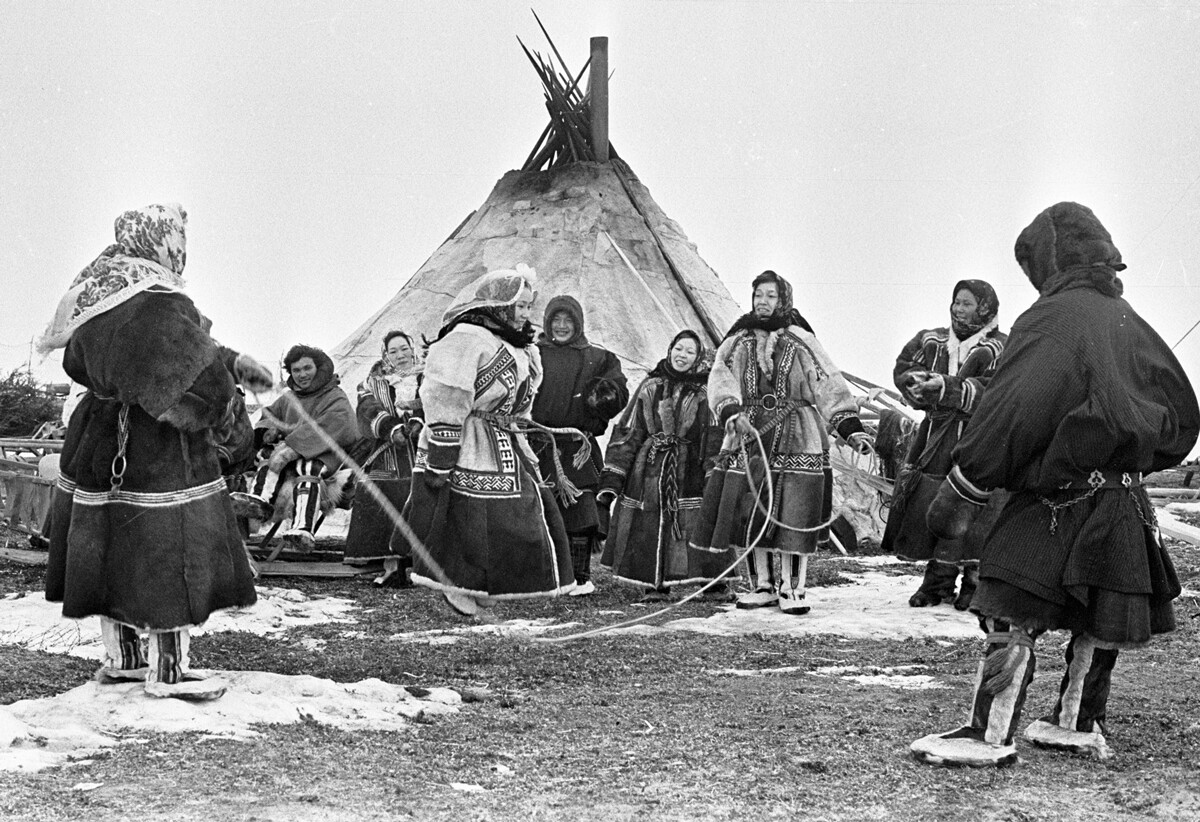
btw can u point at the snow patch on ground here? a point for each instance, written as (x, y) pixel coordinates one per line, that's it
(874, 606)
(30, 621)
(42, 733)
(509, 627)
(896, 677)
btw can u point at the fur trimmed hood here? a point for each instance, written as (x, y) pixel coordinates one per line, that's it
(569, 304)
(1067, 246)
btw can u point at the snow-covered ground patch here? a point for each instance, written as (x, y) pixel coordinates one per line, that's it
(41, 733)
(874, 606)
(899, 676)
(30, 621)
(509, 627)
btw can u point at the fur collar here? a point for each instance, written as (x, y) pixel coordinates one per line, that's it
(776, 322)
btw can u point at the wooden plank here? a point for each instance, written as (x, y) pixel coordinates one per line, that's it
(1171, 527)
(599, 92)
(309, 569)
(25, 557)
(18, 467)
(1185, 493)
(28, 444)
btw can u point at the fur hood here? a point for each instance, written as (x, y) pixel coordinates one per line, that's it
(564, 302)
(1066, 246)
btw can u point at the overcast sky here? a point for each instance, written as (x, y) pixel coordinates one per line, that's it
(872, 152)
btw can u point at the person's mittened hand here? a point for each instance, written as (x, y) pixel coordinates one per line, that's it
(954, 508)
(861, 442)
(740, 424)
(911, 380)
(252, 374)
(281, 456)
(930, 392)
(436, 480)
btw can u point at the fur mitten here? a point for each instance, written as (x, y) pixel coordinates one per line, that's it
(252, 374)
(955, 507)
(604, 399)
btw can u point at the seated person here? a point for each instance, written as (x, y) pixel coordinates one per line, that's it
(298, 457)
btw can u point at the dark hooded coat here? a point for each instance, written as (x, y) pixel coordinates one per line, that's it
(1086, 385)
(583, 387)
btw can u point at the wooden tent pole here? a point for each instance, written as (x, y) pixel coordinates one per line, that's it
(598, 82)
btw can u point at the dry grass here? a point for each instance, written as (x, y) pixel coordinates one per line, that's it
(626, 727)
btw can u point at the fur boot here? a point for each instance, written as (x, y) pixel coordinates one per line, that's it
(1077, 724)
(1000, 688)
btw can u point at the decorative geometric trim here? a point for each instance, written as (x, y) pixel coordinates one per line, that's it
(719, 410)
(501, 362)
(750, 372)
(485, 484)
(797, 463)
(504, 451)
(783, 368)
(841, 416)
(445, 434)
(144, 499)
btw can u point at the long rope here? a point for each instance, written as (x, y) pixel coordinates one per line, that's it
(362, 477)
(1185, 336)
(751, 545)
(422, 552)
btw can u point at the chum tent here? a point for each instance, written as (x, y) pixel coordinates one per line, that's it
(577, 214)
(583, 220)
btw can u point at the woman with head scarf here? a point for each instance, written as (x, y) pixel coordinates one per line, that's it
(142, 532)
(943, 372)
(490, 525)
(389, 415)
(773, 383)
(654, 470)
(1088, 400)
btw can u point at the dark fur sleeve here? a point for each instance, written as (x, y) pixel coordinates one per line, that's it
(608, 392)
(153, 351)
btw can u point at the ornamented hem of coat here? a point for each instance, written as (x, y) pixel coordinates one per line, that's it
(426, 582)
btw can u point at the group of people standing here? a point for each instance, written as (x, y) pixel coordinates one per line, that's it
(1021, 489)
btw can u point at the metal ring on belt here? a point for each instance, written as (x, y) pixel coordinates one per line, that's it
(767, 401)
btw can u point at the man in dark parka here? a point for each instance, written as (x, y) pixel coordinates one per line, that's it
(583, 388)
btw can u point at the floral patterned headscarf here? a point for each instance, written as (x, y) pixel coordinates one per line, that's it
(149, 254)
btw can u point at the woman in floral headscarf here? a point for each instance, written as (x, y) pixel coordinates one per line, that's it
(389, 415)
(943, 372)
(491, 527)
(654, 470)
(142, 531)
